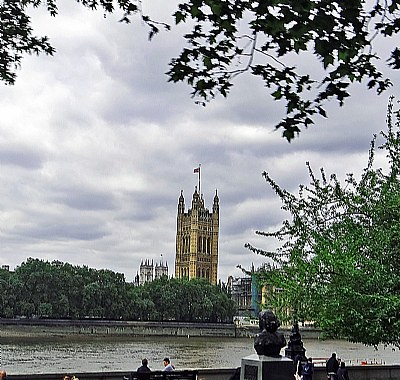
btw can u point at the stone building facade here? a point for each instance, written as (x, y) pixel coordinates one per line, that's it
(149, 271)
(197, 239)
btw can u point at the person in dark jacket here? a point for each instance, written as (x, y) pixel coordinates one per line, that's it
(332, 366)
(308, 370)
(144, 367)
(342, 373)
(298, 366)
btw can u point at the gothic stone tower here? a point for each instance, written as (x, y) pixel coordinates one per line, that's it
(197, 239)
(146, 271)
(160, 270)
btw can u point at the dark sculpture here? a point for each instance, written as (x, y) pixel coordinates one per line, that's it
(268, 341)
(295, 349)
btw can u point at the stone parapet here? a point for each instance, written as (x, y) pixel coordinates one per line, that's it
(367, 372)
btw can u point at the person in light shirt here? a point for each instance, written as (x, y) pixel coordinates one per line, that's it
(167, 365)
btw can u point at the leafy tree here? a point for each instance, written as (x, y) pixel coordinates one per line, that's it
(194, 300)
(263, 38)
(7, 294)
(34, 276)
(61, 290)
(137, 304)
(45, 309)
(339, 261)
(160, 292)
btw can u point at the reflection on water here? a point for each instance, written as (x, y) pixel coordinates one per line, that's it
(115, 355)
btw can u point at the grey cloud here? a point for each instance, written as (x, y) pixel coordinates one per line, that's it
(67, 231)
(86, 200)
(21, 156)
(255, 220)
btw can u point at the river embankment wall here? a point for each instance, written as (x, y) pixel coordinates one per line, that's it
(26, 328)
(103, 328)
(369, 372)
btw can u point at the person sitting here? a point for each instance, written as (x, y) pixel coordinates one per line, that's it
(167, 365)
(144, 371)
(144, 367)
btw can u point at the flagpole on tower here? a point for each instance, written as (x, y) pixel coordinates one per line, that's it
(197, 170)
(199, 180)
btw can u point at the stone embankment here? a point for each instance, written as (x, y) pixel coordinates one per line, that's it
(27, 328)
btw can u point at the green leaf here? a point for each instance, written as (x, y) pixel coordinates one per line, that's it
(216, 8)
(277, 94)
(179, 17)
(328, 60)
(207, 62)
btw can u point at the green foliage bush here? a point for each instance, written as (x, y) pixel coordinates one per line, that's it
(339, 261)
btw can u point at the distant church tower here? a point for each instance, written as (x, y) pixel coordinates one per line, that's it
(160, 270)
(146, 272)
(197, 239)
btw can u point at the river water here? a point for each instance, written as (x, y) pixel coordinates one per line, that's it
(61, 356)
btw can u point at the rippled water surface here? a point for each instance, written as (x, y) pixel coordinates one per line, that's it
(125, 355)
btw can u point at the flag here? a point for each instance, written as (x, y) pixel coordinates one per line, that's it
(197, 170)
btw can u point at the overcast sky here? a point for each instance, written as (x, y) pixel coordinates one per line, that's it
(95, 147)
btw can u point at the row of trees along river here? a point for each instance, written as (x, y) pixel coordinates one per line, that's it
(61, 290)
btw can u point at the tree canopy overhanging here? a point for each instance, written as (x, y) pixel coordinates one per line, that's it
(339, 261)
(263, 38)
